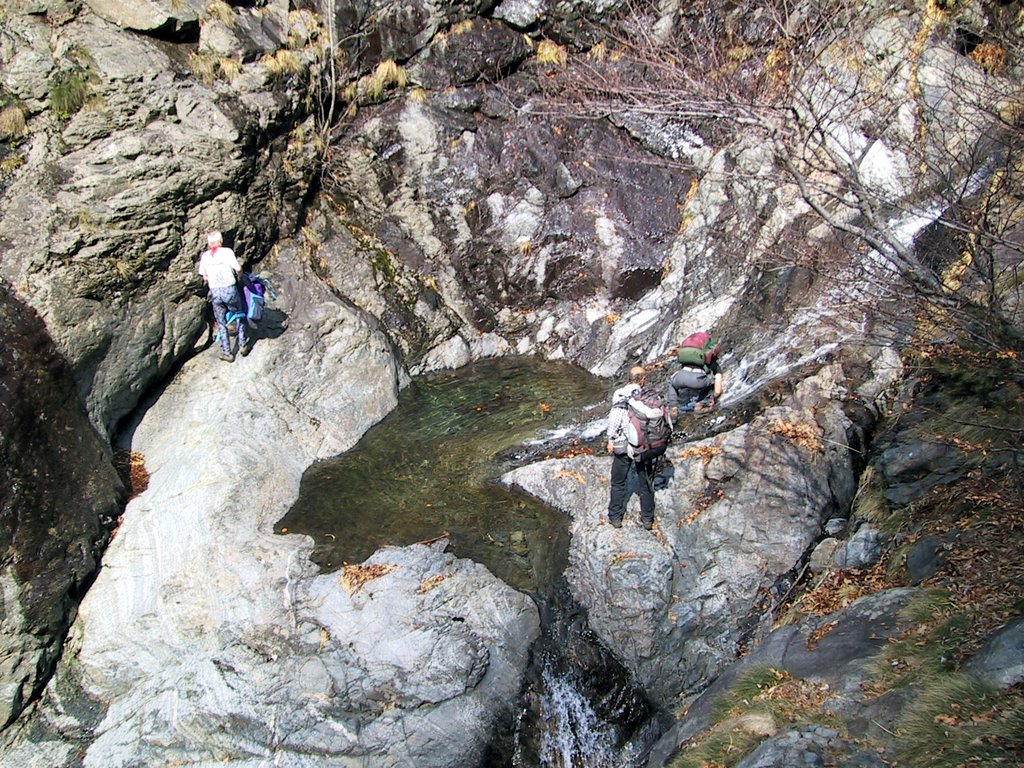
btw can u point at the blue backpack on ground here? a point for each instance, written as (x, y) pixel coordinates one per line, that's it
(255, 290)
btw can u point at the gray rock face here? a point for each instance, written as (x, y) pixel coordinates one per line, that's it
(480, 49)
(740, 510)
(518, 230)
(151, 16)
(205, 631)
(58, 494)
(1001, 660)
(102, 222)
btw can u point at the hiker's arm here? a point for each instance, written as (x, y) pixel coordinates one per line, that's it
(615, 425)
(719, 385)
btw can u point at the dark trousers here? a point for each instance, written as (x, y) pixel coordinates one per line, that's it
(643, 479)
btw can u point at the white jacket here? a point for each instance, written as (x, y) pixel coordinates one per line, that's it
(618, 418)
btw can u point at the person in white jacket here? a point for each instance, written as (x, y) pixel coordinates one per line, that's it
(219, 267)
(622, 462)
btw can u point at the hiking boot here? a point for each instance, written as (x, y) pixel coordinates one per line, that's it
(615, 523)
(245, 349)
(648, 524)
(227, 358)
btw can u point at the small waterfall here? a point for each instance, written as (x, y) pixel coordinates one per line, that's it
(573, 733)
(580, 708)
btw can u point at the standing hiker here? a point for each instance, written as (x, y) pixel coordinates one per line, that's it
(638, 433)
(219, 267)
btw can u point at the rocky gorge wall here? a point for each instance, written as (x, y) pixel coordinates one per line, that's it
(62, 476)
(460, 219)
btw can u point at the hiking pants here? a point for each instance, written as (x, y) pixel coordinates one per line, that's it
(688, 387)
(227, 300)
(643, 477)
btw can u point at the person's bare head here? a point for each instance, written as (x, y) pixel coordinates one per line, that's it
(214, 239)
(637, 375)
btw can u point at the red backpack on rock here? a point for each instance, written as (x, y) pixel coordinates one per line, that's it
(649, 428)
(699, 350)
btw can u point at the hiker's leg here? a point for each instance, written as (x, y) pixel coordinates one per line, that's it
(235, 305)
(220, 316)
(645, 490)
(617, 502)
(688, 399)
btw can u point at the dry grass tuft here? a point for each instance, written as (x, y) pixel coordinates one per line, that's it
(283, 62)
(9, 165)
(203, 66)
(221, 11)
(549, 52)
(387, 75)
(12, 122)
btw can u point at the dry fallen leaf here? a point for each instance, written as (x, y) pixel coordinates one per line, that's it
(353, 577)
(804, 435)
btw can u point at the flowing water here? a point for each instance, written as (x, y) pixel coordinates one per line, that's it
(429, 469)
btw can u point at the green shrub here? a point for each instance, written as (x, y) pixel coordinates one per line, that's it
(68, 91)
